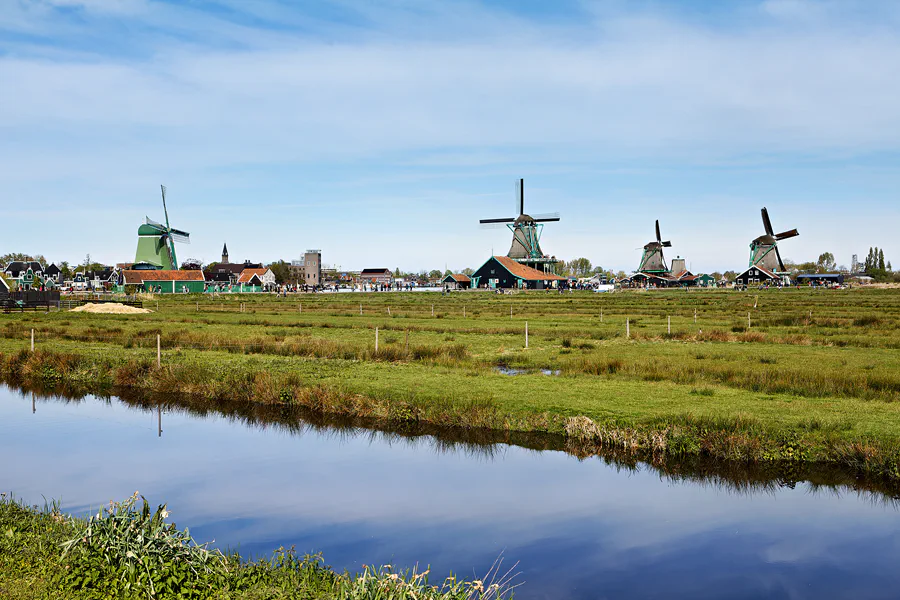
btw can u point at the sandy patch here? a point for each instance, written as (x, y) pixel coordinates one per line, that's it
(111, 308)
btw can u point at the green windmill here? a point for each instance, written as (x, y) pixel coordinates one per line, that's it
(156, 242)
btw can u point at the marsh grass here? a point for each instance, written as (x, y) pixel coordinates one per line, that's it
(126, 550)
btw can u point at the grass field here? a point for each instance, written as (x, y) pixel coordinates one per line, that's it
(770, 375)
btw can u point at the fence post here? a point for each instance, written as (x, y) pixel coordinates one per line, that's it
(526, 335)
(376, 340)
(748, 320)
(407, 340)
(510, 311)
(360, 309)
(301, 308)
(695, 315)
(601, 315)
(389, 311)
(198, 307)
(32, 340)
(627, 328)
(158, 352)
(669, 324)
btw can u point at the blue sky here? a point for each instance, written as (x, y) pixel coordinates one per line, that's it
(381, 130)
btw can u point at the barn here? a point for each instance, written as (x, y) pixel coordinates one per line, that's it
(504, 272)
(457, 281)
(165, 281)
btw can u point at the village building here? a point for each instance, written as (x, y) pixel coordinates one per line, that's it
(163, 281)
(504, 272)
(756, 275)
(17, 268)
(53, 273)
(308, 270)
(376, 276)
(262, 278)
(705, 281)
(457, 281)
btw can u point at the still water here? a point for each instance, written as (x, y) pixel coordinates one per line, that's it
(578, 528)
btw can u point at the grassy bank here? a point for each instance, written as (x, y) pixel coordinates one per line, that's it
(127, 550)
(815, 377)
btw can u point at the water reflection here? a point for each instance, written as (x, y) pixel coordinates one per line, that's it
(256, 477)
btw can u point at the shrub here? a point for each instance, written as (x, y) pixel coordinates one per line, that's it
(123, 550)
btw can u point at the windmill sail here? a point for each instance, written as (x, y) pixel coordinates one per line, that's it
(526, 230)
(764, 249)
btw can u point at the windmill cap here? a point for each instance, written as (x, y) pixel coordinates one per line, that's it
(146, 229)
(523, 218)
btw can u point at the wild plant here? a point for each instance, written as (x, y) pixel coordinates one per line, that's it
(126, 549)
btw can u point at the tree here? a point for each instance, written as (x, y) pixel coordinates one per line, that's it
(468, 271)
(13, 256)
(729, 275)
(192, 264)
(281, 270)
(881, 259)
(434, 274)
(397, 272)
(889, 266)
(825, 263)
(579, 267)
(65, 270)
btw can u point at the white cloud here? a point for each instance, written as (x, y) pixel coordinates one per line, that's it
(643, 88)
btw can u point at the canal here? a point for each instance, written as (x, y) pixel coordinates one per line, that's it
(256, 478)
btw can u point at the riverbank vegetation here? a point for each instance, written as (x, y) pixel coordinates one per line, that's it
(790, 375)
(128, 550)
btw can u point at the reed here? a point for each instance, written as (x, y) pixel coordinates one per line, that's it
(126, 550)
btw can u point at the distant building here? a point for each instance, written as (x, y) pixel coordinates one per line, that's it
(457, 281)
(16, 269)
(504, 272)
(757, 274)
(308, 270)
(263, 277)
(705, 281)
(226, 272)
(164, 281)
(376, 276)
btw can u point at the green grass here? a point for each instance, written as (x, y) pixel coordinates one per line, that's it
(126, 550)
(819, 357)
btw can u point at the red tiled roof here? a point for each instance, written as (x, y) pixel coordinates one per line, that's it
(459, 278)
(527, 273)
(247, 275)
(137, 277)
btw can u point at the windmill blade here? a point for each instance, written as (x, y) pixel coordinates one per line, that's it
(787, 234)
(493, 225)
(150, 221)
(547, 220)
(520, 197)
(165, 210)
(485, 221)
(658, 236)
(181, 238)
(767, 224)
(554, 216)
(666, 244)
